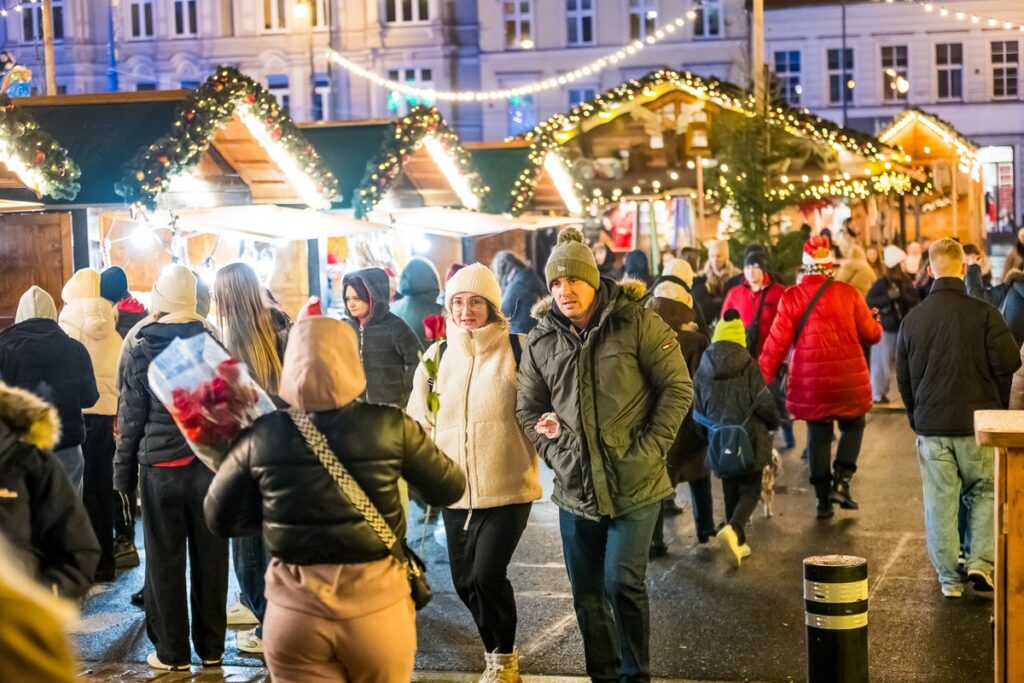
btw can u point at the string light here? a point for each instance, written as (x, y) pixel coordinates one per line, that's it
(38, 160)
(965, 152)
(963, 15)
(434, 95)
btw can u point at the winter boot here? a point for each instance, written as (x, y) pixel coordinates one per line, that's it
(821, 490)
(840, 493)
(502, 668)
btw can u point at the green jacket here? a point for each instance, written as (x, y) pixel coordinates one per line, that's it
(620, 394)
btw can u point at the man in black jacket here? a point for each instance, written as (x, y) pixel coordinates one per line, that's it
(954, 355)
(37, 355)
(151, 450)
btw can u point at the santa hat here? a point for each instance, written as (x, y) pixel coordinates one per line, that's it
(312, 308)
(817, 252)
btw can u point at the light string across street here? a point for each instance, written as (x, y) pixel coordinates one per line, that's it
(957, 14)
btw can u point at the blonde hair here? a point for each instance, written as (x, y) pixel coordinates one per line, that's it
(243, 315)
(946, 258)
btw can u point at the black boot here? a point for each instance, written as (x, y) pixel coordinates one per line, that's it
(840, 493)
(821, 490)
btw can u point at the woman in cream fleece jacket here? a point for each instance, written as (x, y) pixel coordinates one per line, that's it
(476, 427)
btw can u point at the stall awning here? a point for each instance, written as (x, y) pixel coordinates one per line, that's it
(437, 220)
(270, 223)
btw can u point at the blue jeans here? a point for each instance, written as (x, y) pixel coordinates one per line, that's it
(607, 564)
(949, 465)
(73, 463)
(251, 559)
(883, 358)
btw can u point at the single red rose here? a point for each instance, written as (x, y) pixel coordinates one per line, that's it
(434, 327)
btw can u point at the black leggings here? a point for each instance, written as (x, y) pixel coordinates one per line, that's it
(479, 557)
(819, 444)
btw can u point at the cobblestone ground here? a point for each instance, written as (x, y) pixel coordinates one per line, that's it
(709, 622)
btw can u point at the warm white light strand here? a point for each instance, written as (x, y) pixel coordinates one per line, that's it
(961, 15)
(433, 95)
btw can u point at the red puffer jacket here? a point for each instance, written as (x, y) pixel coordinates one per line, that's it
(747, 302)
(828, 376)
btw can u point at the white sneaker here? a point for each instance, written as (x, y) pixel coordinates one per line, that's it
(240, 615)
(729, 543)
(248, 641)
(154, 662)
(953, 592)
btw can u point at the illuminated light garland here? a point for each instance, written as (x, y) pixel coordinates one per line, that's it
(226, 93)
(963, 15)
(564, 183)
(34, 156)
(422, 126)
(433, 95)
(965, 151)
(543, 149)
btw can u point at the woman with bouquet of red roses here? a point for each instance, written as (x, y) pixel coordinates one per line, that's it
(152, 451)
(471, 404)
(388, 349)
(255, 332)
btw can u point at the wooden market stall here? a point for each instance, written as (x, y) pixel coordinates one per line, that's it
(953, 205)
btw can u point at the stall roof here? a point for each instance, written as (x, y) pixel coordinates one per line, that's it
(270, 222)
(499, 167)
(101, 133)
(346, 147)
(927, 138)
(438, 220)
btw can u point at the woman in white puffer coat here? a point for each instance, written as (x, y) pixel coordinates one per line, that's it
(89, 318)
(476, 427)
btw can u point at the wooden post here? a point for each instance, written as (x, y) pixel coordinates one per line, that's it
(700, 196)
(757, 57)
(1004, 431)
(48, 55)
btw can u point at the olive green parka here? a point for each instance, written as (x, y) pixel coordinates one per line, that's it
(620, 390)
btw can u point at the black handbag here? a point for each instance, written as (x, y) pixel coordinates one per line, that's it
(350, 488)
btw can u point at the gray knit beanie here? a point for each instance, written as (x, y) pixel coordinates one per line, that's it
(572, 258)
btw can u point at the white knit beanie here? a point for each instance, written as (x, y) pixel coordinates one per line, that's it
(175, 291)
(84, 284)
(893, 256)
(677, 268)
(476, 279)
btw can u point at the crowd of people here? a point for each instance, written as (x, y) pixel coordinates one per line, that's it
(625, 387)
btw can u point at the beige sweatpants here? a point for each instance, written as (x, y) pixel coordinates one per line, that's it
(376, 648)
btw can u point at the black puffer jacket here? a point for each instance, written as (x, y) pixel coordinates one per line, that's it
(728, 384)
(40, 515)
(38, 356)
(893, 295)
(388, 348)
(272, 481)
(146, 432)
(524, 289)
(954, 355)
(1008, 297)
(685, 458)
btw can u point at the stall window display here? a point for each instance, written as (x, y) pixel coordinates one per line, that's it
(1000, 188)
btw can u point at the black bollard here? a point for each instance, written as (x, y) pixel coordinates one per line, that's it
(836, 600)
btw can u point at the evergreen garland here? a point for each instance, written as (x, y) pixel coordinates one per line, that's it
(44, 164)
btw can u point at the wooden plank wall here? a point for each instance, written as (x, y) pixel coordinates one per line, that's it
(35, 249)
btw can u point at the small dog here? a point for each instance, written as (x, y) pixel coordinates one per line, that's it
(769, 474)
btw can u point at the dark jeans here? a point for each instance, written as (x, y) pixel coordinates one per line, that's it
(251, 559)
(98, 485)
(702, 507)
(172, 518)
(479, 557)
(741, 495)
(819, 443)
(607, 564)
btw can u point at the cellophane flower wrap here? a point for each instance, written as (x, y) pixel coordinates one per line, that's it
(209, 394)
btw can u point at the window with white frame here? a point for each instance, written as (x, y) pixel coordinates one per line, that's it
(321, 19)
(840, 76)
(580, 20)
(522, 114)
(140, 15)
(643, 18)
(894, 73)
(787, 75)
(949, 66)
(518, 16)
(578, 96)
(321, 97)
(185, 19)
(277, 84)
(403, 11)
(401, 103)
(32, 22)
(275, 15)
(708, 21)
(1005, 68)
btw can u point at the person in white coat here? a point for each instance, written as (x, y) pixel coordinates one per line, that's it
(476, 426)
(90, 319)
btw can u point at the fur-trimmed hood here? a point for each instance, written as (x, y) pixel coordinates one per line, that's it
(28, 419)
(629, 288)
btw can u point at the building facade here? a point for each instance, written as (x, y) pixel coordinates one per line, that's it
(960, 62)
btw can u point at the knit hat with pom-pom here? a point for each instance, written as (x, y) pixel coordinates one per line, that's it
(818, 251)
(730, 328)
(572, 258)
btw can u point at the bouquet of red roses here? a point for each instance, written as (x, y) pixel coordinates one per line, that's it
(209, 394)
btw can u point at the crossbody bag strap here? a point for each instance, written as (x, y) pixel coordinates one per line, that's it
(810, 307)
(350, 488)
(760, 308)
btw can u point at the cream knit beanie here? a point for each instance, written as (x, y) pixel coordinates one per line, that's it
(476, 279)
(35, 303)
(174, 292)
(84, 284)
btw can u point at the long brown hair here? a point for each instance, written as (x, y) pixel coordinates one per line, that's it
(243, 316)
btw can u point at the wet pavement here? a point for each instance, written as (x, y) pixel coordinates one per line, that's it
(709, 622)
